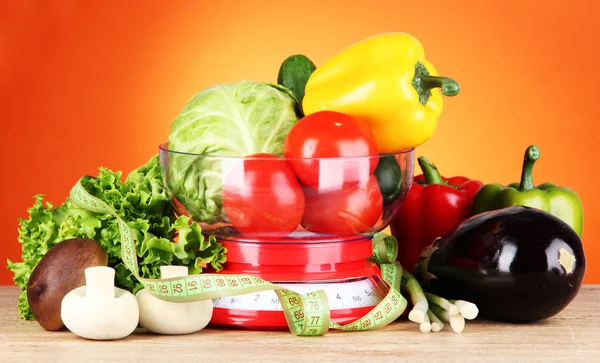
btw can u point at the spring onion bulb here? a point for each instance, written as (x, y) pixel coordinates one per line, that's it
(457, 322)
(436, 323)
(426, 324)
(467, 309)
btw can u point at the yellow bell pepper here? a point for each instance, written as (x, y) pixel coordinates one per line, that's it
(386, 81)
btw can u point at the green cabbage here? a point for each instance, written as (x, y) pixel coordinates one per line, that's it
(237, 119)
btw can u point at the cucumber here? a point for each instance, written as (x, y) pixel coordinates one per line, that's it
(294, 73)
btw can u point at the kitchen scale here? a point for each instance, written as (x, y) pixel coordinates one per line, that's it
(339, 266)
(303, 261)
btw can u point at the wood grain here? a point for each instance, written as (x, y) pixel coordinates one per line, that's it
(571, 336)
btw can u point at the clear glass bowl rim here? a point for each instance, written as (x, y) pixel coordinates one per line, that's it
(164, 148)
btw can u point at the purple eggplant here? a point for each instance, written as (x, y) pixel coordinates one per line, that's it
(517, 264)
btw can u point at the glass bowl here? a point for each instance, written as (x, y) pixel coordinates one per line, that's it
(264, 197)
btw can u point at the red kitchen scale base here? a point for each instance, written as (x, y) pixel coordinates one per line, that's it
(340, 267)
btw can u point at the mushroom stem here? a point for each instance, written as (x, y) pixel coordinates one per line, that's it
(167, 272)
(100, 282)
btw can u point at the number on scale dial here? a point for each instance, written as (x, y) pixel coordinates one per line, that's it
(343, 295)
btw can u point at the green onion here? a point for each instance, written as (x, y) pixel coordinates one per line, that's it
(436, 323)
(443, 303)
(419, 301)
(426, 324)
(467, 309)
(457, 322)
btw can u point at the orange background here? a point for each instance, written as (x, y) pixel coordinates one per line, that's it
(87, 84)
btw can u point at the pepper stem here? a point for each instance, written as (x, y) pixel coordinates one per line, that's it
(430, 171)
(423, 82)
(531, 155)
(448, 86)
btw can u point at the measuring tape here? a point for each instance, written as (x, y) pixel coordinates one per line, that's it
(306, 314)
(343, 294)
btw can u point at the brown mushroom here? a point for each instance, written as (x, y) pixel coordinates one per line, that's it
(58, 272)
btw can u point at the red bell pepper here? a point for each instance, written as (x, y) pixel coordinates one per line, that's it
(433, 207)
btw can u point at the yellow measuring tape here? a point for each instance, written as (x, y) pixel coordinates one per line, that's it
(306, 315)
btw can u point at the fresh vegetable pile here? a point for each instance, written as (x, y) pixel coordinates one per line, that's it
(143, 203)
(514, 251)
(340, 127)
(287, 165)
(320, 153)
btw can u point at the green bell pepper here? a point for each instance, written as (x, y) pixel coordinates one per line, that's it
(562, 202)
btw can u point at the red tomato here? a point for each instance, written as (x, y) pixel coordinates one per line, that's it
(350, 210)
(330, 134)
(262, 197)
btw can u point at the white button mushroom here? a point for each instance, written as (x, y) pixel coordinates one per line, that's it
(165, 317)
(99, 310)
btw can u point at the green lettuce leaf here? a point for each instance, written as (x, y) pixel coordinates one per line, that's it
(142, 202)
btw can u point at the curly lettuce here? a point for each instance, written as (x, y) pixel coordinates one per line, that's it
(142, 202)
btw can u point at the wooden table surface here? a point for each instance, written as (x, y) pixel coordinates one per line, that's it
(571, 336)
